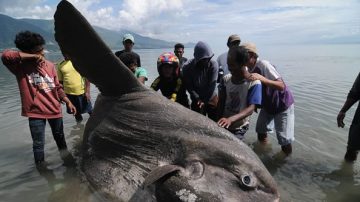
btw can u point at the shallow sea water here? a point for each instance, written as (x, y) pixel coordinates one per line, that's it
(319, 77)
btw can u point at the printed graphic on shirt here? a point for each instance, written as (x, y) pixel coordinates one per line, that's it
(240, 96)
(45, 83)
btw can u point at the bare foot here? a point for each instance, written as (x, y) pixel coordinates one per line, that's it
(263, 138)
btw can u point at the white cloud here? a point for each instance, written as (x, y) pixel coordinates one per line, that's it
(192, 20)
(137, 14)
(26, 9)
(17, 3)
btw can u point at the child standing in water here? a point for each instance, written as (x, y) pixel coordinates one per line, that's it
(238, 97)
(40, 91)
(76, 87)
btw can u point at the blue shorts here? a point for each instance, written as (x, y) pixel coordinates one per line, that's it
(283, 122)
(81, 104)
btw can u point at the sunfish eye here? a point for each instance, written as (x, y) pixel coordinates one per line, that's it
(248, 181)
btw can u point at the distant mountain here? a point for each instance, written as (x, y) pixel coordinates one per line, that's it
(10, 27)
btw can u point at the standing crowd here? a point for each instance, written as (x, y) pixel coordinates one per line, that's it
(228, 90)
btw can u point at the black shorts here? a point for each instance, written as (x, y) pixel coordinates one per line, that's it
(81, 104)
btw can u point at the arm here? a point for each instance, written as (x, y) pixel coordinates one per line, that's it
(142, 79)
(87, 89)
(194, 96)
(60, 75)
(142, 75)
(276, 84)
(61, 93)
(347, 105)
(187, 78)
(254, 98)
(222, 99)
(173, 96)
(12, 59)
(226, 122)
(352, 98)
(155, 84)
(214, 71)
(69, 105)
(269, 76)
(28, 56)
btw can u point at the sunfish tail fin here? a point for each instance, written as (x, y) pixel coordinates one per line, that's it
(89, 54)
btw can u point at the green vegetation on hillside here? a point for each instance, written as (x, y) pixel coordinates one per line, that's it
(11, 26)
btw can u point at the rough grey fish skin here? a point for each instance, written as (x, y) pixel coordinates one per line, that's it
(140, 146)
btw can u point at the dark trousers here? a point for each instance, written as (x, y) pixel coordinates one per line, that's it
(208, 110)
(37, 130)
(354, 132)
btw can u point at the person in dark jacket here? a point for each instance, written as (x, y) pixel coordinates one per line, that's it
(200, 75)
(353, 146)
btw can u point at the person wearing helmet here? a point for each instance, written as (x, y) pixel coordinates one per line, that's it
(169, 81)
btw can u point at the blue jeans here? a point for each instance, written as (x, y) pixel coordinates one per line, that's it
(37, 130)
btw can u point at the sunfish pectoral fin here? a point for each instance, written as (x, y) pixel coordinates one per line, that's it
(89, 54)
(159, 173)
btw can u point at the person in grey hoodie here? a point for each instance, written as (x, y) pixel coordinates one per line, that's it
(200, 76)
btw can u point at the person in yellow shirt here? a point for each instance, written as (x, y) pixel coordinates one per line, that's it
(76, 87)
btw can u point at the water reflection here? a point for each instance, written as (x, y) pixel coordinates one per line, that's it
(345, 189)
(272, 161)
(313, 172)
(64, 181)
(66, 187)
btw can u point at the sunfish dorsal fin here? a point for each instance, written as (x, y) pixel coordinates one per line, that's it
(89, 54)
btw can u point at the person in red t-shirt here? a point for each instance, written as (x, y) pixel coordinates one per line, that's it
(40, 91)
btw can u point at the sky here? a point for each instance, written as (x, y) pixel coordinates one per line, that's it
(259, 21)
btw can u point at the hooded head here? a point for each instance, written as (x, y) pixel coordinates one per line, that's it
(202, 51)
